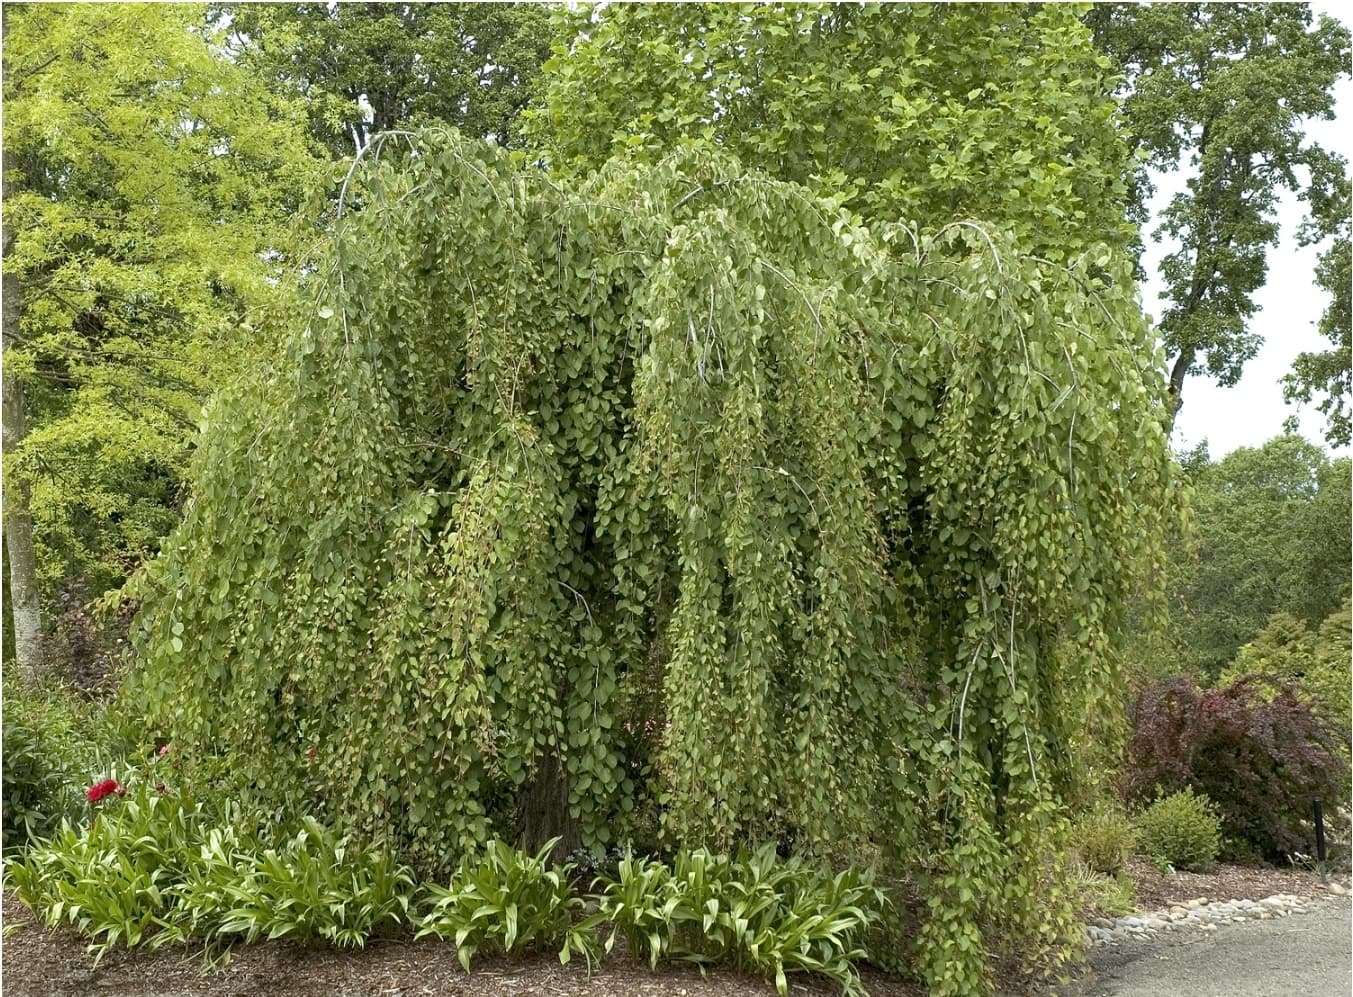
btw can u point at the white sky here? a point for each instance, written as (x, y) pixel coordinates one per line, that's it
(1290, 305)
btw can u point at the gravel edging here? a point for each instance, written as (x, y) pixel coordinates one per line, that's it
(1205, 915)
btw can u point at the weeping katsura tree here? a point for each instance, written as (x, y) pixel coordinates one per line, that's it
(675, 503)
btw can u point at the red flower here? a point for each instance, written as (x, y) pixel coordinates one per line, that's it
(311, 753)
(164, 750)
(99, 790)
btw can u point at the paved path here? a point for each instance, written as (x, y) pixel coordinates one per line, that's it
(1306, 955)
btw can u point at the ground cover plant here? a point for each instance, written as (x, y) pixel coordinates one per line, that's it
(756, 910)
(156, 867)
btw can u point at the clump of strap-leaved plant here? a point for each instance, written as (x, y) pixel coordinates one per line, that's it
(674, 498)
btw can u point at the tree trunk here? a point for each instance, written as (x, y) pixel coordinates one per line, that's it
(542, 808)
(1178, 372)
(23, 573)
(25, 611)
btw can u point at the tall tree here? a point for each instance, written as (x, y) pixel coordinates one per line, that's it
(865, 509)
(147, 182)
(364, 68)
(1224, 88)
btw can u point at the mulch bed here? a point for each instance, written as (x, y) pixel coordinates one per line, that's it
(42, 963)
(1156, 890)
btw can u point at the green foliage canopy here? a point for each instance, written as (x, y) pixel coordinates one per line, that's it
(849, 514)
(471, 65)
(1225, 89)
(150, 178)
(1271, 534)
(911, 112)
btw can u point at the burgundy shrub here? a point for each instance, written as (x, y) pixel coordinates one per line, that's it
(1253, 747)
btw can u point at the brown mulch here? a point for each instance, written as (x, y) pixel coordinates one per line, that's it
(1156, 890)
(42, 963)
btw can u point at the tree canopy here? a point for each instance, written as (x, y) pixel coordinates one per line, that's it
(471, 65)
(1271, 534)
(1223, 91)
(906, 112)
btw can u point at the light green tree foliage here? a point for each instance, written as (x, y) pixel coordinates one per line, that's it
(1271, 535)
(471, 65)
(855, 511)
(150, 175)
(1318, 660)
(913, 112)
(1224, 88)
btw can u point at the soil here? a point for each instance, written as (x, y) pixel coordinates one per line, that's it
(1156, 890)
(42, 963)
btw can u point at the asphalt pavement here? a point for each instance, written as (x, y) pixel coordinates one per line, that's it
(1305, 955)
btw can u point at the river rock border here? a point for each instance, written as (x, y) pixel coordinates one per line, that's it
(1202, 914)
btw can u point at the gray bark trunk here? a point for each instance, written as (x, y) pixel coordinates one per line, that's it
(24, 605)
(25, 613)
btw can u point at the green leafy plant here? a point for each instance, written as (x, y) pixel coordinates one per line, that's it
(1110, 895)
(1103, 838)
(32, 784)
(506, 901)
(756, 911)
(154, 868)
(1181, 829)
(55, 745)
(315, 886)
(115, 880)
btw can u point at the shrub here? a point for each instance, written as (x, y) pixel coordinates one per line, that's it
(508, 900)
(1103, 839)
(757, 911)
(1253, 747)
(1315, 662)
(53, 741)
(32, 785)
(1183, 830)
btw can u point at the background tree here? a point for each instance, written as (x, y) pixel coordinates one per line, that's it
(471, 65)
(1225, 88)
(147, 185)
(995, 112)
(1272, 535)
(1315, 659)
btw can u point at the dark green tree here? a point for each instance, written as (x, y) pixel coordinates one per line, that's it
(1330, 372)
(1272, 534)
(365, 68)
(1223, 90)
